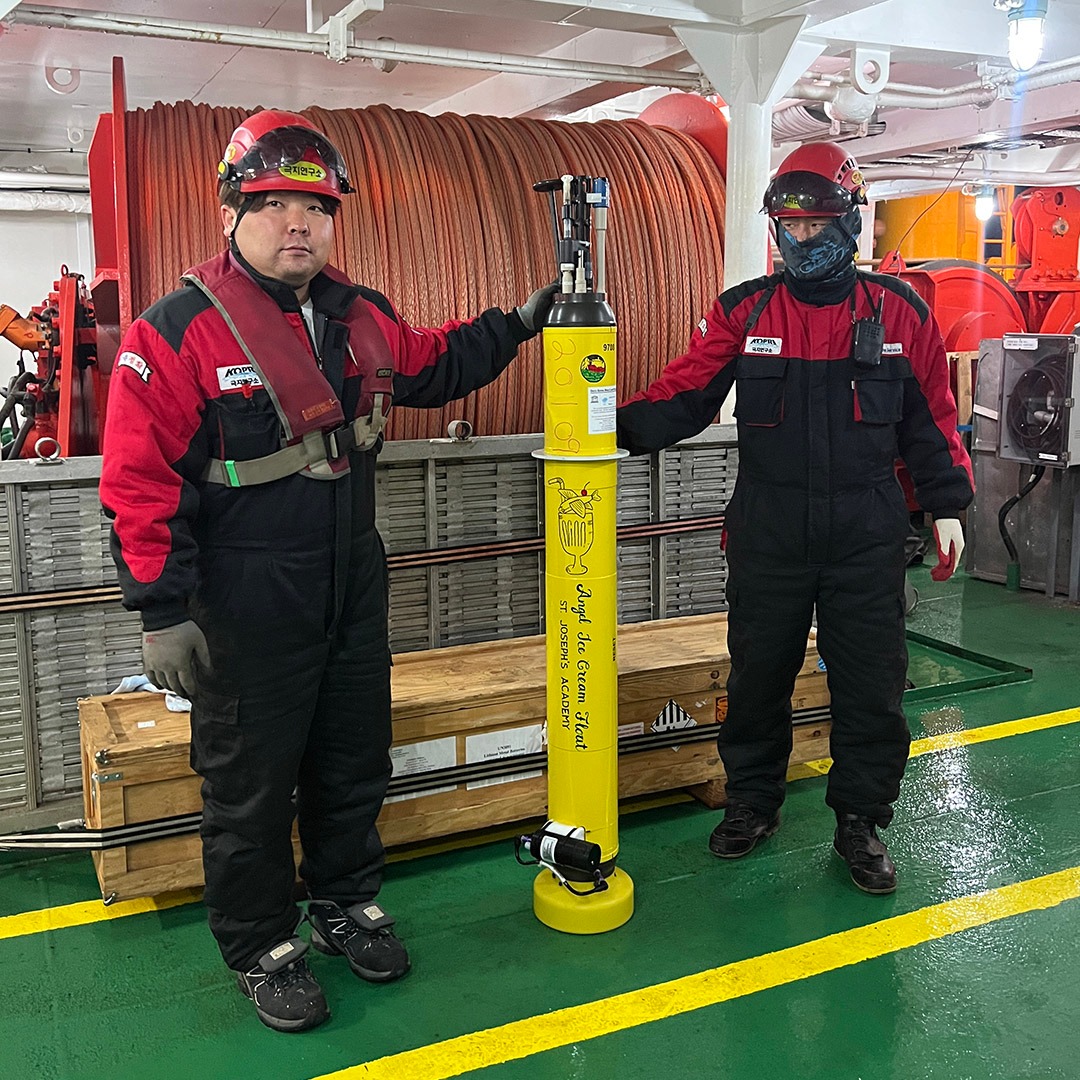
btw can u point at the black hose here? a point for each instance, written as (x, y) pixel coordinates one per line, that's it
(1003, 513)
(13, 395)
(14, 448)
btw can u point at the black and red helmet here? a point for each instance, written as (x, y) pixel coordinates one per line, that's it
(815, 180)
(283, 151)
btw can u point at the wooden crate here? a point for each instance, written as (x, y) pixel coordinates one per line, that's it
(451, 706)
(135, 769)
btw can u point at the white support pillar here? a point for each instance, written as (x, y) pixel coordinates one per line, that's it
(751, 69)
(746, 229)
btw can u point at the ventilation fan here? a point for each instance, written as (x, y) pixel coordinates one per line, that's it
(1040, 383)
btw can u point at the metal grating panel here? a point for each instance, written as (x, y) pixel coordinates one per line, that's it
(634, 565)
(13, 790)
(410, 610)
(496, 598)
(65, 537)
(7, 577)
(634, 494)
(695, 574)
(400, 500)
(77, 652)
(697, 481)
(480, 501)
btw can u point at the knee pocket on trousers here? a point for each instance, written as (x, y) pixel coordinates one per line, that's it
(216, 734)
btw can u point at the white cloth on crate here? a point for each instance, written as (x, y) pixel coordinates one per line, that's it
(173, 702)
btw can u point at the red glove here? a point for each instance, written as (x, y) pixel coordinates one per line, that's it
(950, 546)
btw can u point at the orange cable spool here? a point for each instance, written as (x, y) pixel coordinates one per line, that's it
(446, 224)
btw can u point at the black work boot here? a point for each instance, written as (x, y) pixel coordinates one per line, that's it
(286, 994)
(738, 834)
(858, 844)
(363, 935)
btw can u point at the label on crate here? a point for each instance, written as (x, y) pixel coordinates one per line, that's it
(1013, 342)
(628, 730)
(509, 743)
(421, 757)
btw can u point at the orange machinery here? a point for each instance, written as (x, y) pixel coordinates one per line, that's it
(972, 302)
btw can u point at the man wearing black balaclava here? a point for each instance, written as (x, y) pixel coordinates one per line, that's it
(838, 373)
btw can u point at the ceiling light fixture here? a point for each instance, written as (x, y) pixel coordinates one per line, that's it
(984, 202)
(1027, 24)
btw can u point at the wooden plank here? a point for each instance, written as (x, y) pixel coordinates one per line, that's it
(964, 365)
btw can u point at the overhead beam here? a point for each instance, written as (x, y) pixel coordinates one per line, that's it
(540, 98)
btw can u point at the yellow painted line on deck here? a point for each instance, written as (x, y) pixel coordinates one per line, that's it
(580, 1023)
(35, 922)
(951, 740)
(91, 911)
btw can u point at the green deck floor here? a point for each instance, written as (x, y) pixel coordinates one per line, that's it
(145, 996)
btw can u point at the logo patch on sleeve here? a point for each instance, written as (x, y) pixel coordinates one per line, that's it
(764, 346)
(703, 326)
(136, 363)
(892, 348)
(237, 376)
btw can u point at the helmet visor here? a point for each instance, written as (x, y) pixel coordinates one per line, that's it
(806, 194)
(288, 146)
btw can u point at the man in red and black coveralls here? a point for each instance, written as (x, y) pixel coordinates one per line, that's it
(245, 416)
(837, 374)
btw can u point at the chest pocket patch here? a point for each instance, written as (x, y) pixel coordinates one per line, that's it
(760, 383)
(879, 393)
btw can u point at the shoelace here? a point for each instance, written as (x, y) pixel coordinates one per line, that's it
(286, 978)
(343, 926)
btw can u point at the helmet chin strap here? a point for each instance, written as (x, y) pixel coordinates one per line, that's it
(234, 248)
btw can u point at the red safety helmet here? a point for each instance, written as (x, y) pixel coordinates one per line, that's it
(283, 151)
(815, 180)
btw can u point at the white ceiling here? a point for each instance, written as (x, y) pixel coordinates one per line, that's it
(932, 43)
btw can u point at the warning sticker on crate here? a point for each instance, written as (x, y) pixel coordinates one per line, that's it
(422, 757)
(673, 717)
(509, 743)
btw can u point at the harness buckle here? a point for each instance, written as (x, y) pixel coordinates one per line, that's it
(339, 441)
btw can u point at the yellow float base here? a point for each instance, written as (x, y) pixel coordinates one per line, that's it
(555, 906)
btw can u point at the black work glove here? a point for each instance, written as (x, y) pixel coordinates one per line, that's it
(534, 312)
(169, 656)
